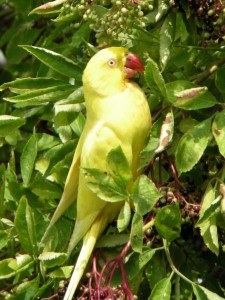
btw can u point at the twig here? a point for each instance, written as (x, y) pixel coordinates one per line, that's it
(209, 72)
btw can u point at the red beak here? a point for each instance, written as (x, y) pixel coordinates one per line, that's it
(133, 65)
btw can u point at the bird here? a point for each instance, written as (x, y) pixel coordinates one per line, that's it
(117, 115)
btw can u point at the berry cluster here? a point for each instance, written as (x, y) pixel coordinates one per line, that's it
(209, 16)
(110, 19)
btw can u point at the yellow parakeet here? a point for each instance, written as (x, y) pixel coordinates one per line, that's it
(117, 115)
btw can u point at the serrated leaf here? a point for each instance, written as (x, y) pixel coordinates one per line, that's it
(55, 61)
(161, 290)
(136, 234)
(52, 259)
(124, 217)
(168, 222)
(166, 133)
(167, 35)
(186, 95)
(145, 194)
(192, 145)
(155, 79)
(9, 123)
(218, 129)
(27, 159)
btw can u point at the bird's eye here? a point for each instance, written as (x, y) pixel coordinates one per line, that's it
(112, 62)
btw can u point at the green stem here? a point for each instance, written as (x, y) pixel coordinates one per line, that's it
(177, 288)
(148, 225)
(166, 247)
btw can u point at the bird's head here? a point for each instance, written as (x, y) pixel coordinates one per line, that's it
(109, 70)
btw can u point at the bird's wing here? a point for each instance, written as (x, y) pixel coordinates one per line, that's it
(71, 185)
(100, 140)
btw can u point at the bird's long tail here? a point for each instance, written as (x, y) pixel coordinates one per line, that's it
(85, 253)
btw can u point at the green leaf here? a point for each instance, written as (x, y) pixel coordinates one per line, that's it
(28, 157)
(167, 35)
(168, 222)
(186, 95)
(218, 129)
(25, 227)
(124, 217)
(22, 5)
(58, 153)
(21, 85)
(52, 259)
(62, 272)
(9, 123)
(75, 97)
(163, 7)
(137, 262)
(136, 234)
(156, 269)
(220, 75)
(161, 290)
(104, 186)
(55, 61)
(41, 96)
(208, 212)
(112, 240)
(65, 120)
(41, 186)
(208, 228)
(203, 293)
(9, 267)
(155, 79)
(192, 145)
(28, 289)
(145, 194)
(119, 166)
(3, 239)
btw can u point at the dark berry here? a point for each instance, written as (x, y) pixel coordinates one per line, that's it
(196, 208)
(66, 283)
(184, 192)
(182, 204)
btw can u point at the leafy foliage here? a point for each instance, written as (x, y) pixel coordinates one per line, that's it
(168, 241)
